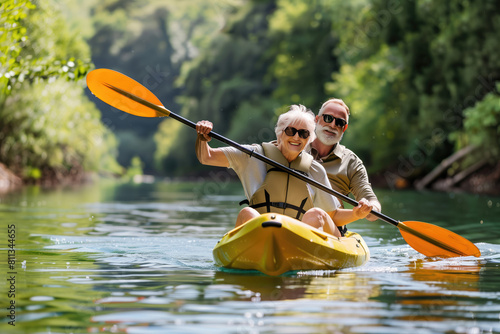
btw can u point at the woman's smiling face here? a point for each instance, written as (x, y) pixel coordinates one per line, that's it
(291, 146)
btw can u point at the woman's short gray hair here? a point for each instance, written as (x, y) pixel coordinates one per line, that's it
(295, 113)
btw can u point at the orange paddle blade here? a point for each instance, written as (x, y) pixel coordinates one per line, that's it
(102, 81)
(432, 240)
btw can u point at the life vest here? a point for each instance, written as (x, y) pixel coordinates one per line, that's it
(281, 192)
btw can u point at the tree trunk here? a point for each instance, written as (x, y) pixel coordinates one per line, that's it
(426, 180)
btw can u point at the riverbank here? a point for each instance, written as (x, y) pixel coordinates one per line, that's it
(483, 181)
(8, 180)
(486, 181)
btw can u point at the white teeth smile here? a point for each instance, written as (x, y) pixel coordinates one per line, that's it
(295, 144)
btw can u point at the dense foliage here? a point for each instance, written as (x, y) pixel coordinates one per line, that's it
(226, 85)
(271, 54)
(48, 128)
(409, 73)
(482, 127)
(420, 77)
(150, 42)
(407, 69)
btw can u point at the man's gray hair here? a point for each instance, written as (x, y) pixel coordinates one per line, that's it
(333, 100)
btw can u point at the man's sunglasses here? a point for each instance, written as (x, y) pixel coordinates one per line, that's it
(292, 131)
(338, 121)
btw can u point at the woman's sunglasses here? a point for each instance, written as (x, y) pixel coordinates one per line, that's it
(338, 121)
(292, 131)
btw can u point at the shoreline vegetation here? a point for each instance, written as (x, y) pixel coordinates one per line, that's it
(421, 78)
(484, 180)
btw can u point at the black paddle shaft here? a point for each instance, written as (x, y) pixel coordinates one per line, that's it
(250, 152)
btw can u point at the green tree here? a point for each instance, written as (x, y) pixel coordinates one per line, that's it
(48, 128)
(426, 62)
(228, 79)
(134, 169)
(30, 52)
(373, 89)
(303, 49)
(408, 69)
(150, 42)
(482, 128)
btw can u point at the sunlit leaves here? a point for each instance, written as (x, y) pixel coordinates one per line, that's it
(54, 127)
(482, 126)
(35, 44)
(230, 72)
(407, 69)
(12, 38)
(303, 49)
(289, 14)
(167, 140)
(373, 91)
(48, 128)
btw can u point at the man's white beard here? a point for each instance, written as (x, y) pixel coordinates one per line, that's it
(325, 138)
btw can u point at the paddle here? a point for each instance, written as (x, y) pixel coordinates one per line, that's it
(128, 95)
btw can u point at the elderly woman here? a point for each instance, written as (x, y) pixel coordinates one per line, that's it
(272, 190)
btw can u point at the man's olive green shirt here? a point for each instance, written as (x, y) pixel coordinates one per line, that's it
(347, 174)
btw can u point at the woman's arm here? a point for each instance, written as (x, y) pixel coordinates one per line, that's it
(207, 155)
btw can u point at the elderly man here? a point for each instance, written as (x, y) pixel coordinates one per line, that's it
(345, 170)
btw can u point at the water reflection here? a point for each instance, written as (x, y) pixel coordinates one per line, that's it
(454, 275)
(322, 285)
(121, 258)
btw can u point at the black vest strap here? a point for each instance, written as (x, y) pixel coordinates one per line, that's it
(280, 205)
(301, 208)
(342, 229)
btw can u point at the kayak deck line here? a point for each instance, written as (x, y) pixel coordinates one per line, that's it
(274, 244)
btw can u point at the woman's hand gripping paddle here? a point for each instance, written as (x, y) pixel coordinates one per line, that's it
(128, 95)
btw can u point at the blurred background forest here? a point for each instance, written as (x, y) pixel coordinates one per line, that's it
(421, 79)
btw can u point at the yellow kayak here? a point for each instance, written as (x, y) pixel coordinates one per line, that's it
(274, 244)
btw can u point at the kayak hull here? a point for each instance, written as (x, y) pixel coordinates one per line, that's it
(274, 244)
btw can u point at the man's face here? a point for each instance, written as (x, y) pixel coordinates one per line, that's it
(331, 133)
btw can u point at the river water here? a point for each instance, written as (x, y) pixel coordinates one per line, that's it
(126, 258)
